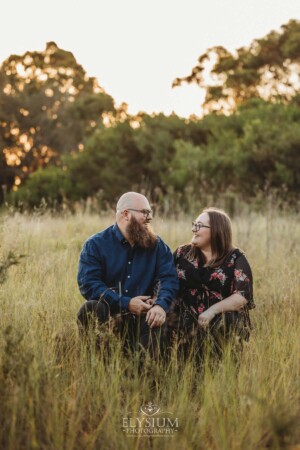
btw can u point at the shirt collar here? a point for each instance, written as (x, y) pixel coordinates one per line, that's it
(118, 234)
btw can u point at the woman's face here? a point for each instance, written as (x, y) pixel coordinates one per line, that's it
(202, 234)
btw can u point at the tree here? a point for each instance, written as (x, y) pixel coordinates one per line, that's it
(48, 106)
(269, 68)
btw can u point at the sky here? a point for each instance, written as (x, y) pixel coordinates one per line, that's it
(136, 48)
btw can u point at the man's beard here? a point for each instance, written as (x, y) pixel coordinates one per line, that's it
(141, 234)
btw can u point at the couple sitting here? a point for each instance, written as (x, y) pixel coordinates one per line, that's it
(128, 273)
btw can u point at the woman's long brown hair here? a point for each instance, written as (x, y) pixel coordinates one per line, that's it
(221, 239)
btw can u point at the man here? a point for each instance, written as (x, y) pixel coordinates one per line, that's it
(127, 271)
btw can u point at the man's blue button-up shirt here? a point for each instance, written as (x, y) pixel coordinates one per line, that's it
(111, 268)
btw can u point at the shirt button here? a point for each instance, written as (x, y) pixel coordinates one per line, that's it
(128, 276)
(129, 262)
(126, 290)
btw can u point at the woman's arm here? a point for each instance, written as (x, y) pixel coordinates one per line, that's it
(233, 303)
(242, 293)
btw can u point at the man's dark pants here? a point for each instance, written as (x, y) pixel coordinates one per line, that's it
(133, 330)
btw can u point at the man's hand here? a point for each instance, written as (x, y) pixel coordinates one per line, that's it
(156, 317)
(150, 301)
(138, 306)
(205, 318)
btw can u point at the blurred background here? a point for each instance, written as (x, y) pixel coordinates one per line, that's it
(191, 103)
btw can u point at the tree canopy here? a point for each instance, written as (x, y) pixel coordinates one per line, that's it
(48, 106)
(269, 68)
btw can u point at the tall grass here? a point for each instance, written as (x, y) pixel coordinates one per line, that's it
(57, 393)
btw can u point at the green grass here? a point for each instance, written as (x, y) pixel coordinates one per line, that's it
(57, 394)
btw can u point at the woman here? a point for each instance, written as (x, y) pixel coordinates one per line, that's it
(215, 281)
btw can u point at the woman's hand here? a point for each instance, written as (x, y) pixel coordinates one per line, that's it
(205, 318)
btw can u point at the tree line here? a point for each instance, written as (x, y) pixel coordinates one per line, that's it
(62, 138)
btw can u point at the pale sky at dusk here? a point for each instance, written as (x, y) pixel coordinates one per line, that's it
(136, 47)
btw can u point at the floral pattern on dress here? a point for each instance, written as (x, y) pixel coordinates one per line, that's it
(240, 275)
(181, 274)
(220, 275)
(216, 295)
(201, 308)
(202, 287)
(231, 261)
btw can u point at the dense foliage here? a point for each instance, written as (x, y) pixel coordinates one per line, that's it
(63, 140)
(254, 150)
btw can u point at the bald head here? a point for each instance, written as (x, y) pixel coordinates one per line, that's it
(133, 217)
(132, 200)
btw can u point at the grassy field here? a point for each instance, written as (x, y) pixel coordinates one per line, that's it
(55, 394)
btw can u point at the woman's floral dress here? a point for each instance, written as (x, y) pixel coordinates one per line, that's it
(202, 287)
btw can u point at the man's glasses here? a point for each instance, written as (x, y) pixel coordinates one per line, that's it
(146, 212)
(196, 226)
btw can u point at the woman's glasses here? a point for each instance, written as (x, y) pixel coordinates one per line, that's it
(196, 226)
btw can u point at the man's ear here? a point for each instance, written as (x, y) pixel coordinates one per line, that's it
(125, 215)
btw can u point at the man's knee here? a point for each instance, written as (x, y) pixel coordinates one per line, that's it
(93, 309)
